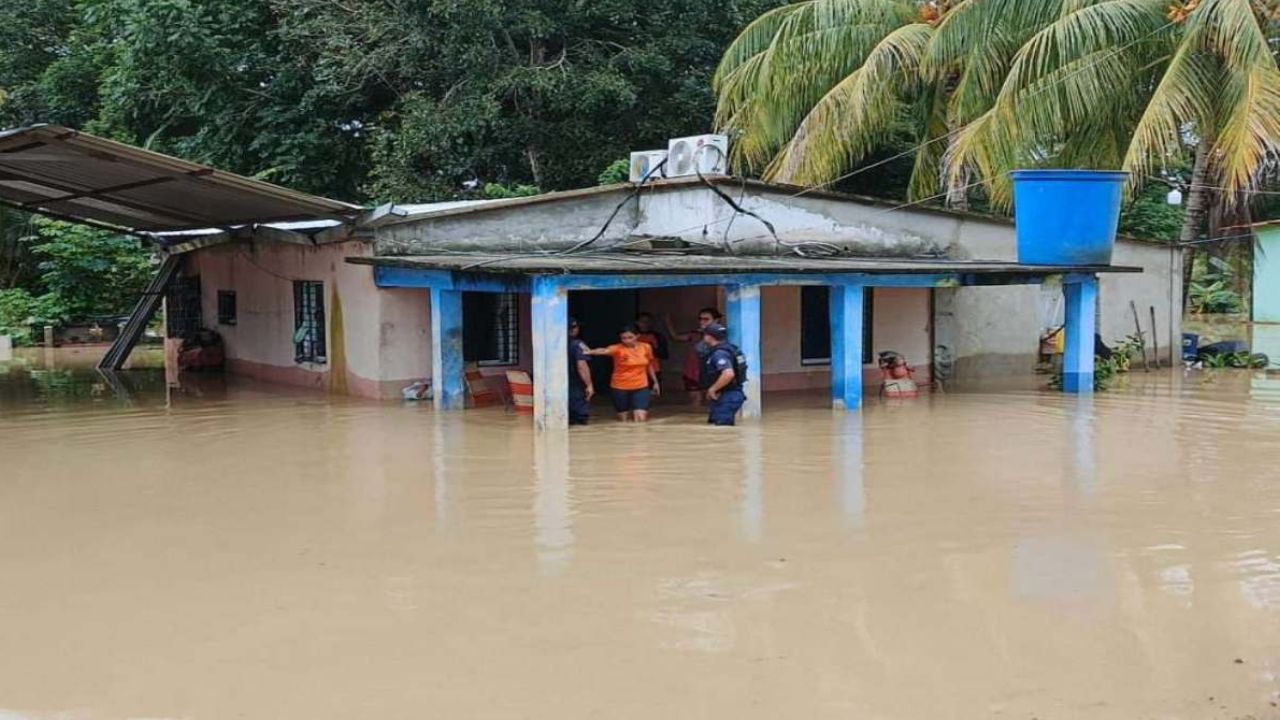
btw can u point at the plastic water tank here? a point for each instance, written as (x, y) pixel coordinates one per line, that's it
(1066, 217)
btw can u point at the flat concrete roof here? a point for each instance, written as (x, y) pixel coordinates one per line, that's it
(675, 263)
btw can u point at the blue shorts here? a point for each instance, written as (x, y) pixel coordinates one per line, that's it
(724, 410)
(627, 400)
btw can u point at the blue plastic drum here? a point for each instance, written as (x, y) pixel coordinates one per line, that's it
(1066, 217)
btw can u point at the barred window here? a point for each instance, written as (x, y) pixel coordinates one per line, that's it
(490, 328)
(308, 322)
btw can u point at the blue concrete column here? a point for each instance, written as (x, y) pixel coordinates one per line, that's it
(1077, 361)
(846, 346)
(744, 331)
(550, 329)
(448, 375)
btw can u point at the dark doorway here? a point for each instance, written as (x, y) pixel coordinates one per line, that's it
(602, 314)
(182, 307)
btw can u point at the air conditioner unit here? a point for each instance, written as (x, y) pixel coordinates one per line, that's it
(643, 164)
(706, 153)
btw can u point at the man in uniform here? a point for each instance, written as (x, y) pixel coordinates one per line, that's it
(581, 388)
(722, 376)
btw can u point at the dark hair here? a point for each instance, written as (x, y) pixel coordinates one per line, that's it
(629, 329)
(714, 313)
(644, 315)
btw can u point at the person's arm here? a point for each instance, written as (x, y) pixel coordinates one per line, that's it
(584, 372)
(653, 380)
(602, 352)
(724, 378)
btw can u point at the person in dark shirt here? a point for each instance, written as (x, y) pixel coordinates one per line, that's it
(581, 388)
(720, 377)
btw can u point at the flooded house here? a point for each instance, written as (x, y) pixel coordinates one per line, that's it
(815, 284)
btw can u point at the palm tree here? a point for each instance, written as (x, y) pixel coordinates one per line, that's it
(988, 86)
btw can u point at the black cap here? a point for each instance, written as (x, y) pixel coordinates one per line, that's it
(716, 330)
(573, 322)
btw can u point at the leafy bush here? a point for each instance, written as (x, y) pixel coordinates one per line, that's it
(618, 171)
(1210, 294)
(497, 191)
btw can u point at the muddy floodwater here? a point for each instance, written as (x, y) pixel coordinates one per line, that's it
(237, 550)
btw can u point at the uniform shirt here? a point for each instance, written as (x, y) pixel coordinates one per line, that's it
(577, 351)
(718, 360)
(630, 366)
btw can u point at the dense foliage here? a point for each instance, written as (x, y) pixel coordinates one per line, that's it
(80, 273)
(374, 101)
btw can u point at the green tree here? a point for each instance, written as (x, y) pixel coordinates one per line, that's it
(86, 272)
(815, 87)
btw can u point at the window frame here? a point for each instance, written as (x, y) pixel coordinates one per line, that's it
(308, 295)
(508, 326)
(224, 317)
(868, 315)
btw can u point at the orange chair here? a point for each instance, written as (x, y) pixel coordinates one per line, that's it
(521, 391)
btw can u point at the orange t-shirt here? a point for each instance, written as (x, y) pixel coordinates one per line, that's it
(630, 366)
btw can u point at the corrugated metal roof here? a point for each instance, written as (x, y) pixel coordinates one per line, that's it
(75, 176)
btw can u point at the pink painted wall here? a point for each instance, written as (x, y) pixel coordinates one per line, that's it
(385, 334)
(383, 342)
(901, 322)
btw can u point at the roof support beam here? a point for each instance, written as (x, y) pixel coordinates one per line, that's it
(34, 178)
(117, 188)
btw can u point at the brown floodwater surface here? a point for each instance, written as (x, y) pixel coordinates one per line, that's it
(238, 550)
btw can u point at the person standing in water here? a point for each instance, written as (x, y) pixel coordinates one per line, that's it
(650, 335)
(724, 374)
(581, 388)
(633, 380)
(696, 352)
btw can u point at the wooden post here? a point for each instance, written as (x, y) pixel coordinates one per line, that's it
(550, 329)
(744, 331)
(846, 346)
(448, 378)
(1077, 361)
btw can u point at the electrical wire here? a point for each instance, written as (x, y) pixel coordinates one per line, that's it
(633, 195)
(1178, 184)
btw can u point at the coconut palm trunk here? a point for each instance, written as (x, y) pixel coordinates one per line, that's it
(1198, 198)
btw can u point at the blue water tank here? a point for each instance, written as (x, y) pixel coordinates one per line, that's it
(1066, 217)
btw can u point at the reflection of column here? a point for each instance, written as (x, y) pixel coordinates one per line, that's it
(1084, 453)
(1081, 322)
(752, 454)
(846, 346)
(744, 331)
(849, 469)
(447, 373)
(550, 327)
(443, 441)
(552, 501)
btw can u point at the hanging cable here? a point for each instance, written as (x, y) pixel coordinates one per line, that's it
(631, 196)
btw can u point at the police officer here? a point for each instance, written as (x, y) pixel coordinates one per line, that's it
(722, 376)
(581, 388)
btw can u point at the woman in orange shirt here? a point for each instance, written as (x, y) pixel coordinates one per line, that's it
(634, 378)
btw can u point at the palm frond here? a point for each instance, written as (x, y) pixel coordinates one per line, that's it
(857, 114)
(1248, 129)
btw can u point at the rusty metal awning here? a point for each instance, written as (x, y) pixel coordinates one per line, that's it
(74, 176)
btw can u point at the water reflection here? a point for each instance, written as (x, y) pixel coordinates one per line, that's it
(1084, 451)
(850, 488)
(750, 439)
(552, 511)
